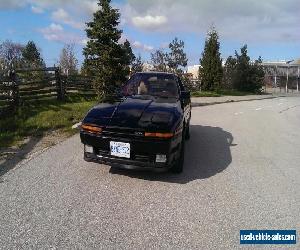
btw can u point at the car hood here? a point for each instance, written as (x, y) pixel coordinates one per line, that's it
(141, 114)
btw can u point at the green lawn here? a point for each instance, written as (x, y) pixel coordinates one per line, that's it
(36, 118)
(218, 93)
(204, 94)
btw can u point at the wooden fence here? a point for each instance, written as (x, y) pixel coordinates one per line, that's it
(81, 85)
(30, 85)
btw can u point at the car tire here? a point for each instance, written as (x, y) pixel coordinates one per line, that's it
(187, 134)
(178, 166)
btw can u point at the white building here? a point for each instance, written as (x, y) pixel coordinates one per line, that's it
(148, 67)
(194, 70)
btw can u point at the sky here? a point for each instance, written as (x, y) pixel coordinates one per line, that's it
(270, 28)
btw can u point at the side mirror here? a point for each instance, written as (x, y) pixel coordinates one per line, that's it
(185, 95)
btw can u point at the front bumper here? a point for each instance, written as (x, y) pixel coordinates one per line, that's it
(126, 163)
(143, 154)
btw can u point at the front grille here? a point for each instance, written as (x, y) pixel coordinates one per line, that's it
(123, 132)
(133, 156)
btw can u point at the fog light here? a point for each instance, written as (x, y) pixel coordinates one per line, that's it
(161, 158)
(88, 149)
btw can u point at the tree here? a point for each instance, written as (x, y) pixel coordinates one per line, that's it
(32, 56)
(128, 52)
(211, 71)
(247, 76)
(137, 65)
(173, 61)
(258, 75)
(107, 59)
(159, 60)
(229, 71)
(128, 56)
(10, 55)
(67, 60)
(176, 58)
(85, 69)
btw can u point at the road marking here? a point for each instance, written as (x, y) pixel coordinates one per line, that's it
(280, 104)
(258, 109)
(239, 113)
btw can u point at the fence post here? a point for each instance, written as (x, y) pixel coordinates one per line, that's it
(15, 91)
(59, 85)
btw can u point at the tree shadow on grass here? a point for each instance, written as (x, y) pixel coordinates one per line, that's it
(207, 153)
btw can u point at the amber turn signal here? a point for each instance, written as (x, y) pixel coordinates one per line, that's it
(91, 129)
(159, 135)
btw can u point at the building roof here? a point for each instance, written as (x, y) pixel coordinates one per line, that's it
(297, 61)
(282, 63)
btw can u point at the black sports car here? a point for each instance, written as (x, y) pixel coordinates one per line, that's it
(143, 129)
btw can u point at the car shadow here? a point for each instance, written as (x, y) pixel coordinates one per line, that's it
(207, 153)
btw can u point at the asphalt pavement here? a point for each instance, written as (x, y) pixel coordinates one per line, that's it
(242, 171)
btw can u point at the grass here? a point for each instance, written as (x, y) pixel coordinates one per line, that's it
(218, 93)
(204, 94)
(39, 117)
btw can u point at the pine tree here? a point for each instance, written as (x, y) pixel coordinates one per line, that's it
(128, 52)
(248, 76)
(137, 65)
(176, 58)
(128, 55)
(229, 71)
(242, 69)
(159, 60)
(211, 71)
(32, 56)
(85, 69)
(107, 59)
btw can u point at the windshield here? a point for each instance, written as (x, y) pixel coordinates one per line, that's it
(151, 84)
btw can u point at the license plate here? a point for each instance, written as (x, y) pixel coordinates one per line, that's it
(120, 149)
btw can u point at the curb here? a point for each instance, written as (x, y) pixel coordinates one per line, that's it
(195, 104)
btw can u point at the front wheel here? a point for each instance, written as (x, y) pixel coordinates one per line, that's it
(178, 166)
(187, 134)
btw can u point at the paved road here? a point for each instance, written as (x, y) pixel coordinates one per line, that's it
(242, 171)
(201, 101)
